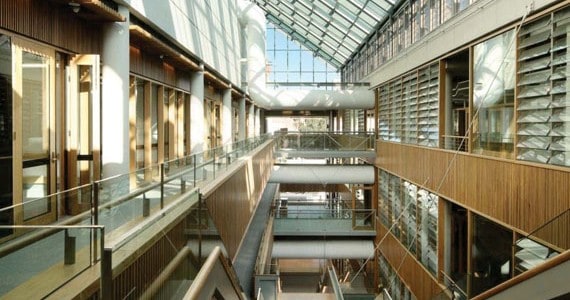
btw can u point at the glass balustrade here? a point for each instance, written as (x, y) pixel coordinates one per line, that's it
(112, 213)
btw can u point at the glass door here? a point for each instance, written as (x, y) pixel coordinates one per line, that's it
(6, 128)
(33, 132)
(82, 148)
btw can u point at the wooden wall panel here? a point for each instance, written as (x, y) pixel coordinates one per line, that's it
(152, 67)
(412, 273)
(232, 204)
(520, 195)
(133, 281)
(52, 24)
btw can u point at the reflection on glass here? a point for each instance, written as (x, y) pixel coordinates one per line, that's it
(35, 189)
(140, 123)
(491, 255)
(154, 122)
(35, 110)
(35, 135)
(493, 95)
(5, 131)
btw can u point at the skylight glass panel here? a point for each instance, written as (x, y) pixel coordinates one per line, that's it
(338, 27)
(349, 6)
(303, 10)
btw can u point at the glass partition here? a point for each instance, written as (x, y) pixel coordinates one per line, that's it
(493, 96)
(6, 128)
(491, 254)
(57, 252)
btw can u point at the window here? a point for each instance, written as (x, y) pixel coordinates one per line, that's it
(543, 122)
(493, 96)
(291, 66)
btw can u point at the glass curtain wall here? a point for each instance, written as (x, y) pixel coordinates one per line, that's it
(412, 21)
(291, 66)
(491, 255)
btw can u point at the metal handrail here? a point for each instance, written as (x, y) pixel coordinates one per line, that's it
(13, 245)
(200, 282)
(335, 283)
(56, 228)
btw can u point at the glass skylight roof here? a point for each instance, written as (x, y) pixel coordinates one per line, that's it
(332, 28)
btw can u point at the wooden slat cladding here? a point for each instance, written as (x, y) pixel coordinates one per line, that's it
(152, 67)
(520, 195)
(136, 278)
(412, 273)
(47, 22)
(232, 204)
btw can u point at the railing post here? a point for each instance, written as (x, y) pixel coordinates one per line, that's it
(194, 162)
(161, 185)
(95, 212)
(214, 166)
(146, 206)
(200, 228)
(107, 274)
(69, 249)
(182, 185)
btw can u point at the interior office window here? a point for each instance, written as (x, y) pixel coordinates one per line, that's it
(493, 96)
(491, 255)
(35, 70)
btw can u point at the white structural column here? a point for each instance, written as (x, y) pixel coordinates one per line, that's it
(253, 18)
(227, 116)
(197, 136)
(251, 122)
(242, 121)
(115, 96)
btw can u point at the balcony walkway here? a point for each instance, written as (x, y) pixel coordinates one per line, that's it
(246, 256)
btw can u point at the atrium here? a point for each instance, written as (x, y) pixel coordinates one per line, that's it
(284, 149)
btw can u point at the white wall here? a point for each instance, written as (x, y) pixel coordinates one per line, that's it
(208, 29)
